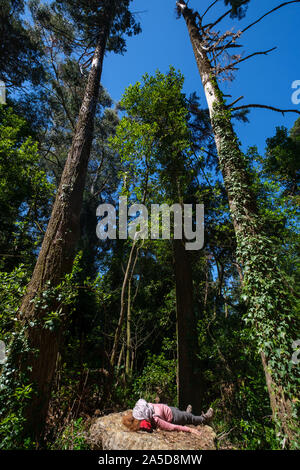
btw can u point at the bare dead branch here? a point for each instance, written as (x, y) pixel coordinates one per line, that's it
(210, 6)
(225, 434)
(212, 25)
(252, 55)
(262, 106)
(85, 52)
(219, 46)
(269, 12)
(231, 104)
(229, 45)
(233, 66)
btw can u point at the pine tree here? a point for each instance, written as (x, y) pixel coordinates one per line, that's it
(20, 53)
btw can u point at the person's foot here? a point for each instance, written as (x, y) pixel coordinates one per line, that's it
(208, 415)
(189, 409)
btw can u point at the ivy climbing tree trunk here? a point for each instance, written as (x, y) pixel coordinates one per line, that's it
(57, 255)
(268, 301)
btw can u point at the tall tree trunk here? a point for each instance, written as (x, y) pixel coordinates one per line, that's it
(188, 391)
(256, 253)
(57, 254)
(128, 328)
(121, 356)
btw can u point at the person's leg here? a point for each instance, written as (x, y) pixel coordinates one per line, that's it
(183, 418)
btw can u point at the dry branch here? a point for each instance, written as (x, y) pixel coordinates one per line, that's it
(283, 111)
(269, 12)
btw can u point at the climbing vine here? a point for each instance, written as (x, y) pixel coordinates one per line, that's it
(270, 305)
(15, 386)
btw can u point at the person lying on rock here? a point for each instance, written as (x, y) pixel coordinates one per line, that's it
(146, 416)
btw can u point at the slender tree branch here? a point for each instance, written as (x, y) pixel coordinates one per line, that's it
(231, 104)
(211, 25)
(268, 13)
(39, 227)
(85, 52)
(210, 6)
(225, 434)
(252, 55)
(283, 111)
(229, 45)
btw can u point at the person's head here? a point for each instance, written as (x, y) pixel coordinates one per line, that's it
(135, 425)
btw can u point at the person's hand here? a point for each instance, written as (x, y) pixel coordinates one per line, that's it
(196, 432)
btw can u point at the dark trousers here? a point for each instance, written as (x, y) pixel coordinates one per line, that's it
(183, 418)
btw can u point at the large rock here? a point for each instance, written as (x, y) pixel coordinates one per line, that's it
(108, 433)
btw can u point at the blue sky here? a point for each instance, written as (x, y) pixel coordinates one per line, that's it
(263, 79)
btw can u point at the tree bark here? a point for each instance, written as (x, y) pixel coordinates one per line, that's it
(57, 253)
(128, 328)
(188, 391)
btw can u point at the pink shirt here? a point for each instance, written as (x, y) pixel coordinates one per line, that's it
(164, 419)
